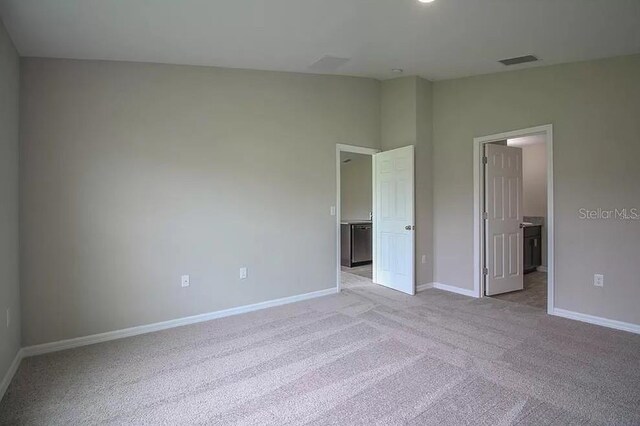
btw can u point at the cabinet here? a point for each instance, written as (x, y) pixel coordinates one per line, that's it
(532, 248)
(355, 243)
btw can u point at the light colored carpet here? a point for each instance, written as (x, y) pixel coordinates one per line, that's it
(367, 356)
(534, 293)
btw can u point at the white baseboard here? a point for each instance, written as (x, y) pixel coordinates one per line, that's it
(149, 328)
(6, 380)
(452, 289)
(422, 287)
(591, 319)
(541, 269)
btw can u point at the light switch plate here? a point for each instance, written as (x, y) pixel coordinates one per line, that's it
(243, 273)
(185, 281)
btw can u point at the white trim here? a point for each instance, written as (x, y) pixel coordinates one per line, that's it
(478, 249)
(618, 325)
(422, 287)
(13, 368)
(356, 150)
(542, 269)
(457, 290)
(149, 328)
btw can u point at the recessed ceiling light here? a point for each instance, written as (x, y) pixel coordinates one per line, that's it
(397, 70)
(425, 1)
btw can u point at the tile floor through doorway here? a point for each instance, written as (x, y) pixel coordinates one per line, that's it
(534, 293)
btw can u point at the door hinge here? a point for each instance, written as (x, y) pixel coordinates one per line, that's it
(485, 215)
(485, 160)
(485, 271)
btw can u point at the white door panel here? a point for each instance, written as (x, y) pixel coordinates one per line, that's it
(503, 204)
(394, 220)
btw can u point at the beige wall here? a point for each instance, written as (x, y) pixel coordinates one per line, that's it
(593, 107)
(134, 174)
(398, 115)
(9, 281)
(356, 189)
(424, 181)
(534, 180)
(406, 119)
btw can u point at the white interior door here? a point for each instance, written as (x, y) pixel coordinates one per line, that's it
(394, 224)
(503, 204)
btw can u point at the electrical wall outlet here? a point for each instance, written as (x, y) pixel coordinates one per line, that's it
(243, 273)
(185, 281)
(598, 280)
(332, 210)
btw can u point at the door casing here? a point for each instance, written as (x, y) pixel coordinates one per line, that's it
(478, 197)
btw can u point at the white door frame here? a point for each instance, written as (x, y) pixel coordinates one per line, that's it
(356, 150)
(478, 194)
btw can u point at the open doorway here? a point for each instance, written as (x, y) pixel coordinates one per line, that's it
(387, 218)
(354, 210)
(534, 230)
(514, 217)
(356, 220)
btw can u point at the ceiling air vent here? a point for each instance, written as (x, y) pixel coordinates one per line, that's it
(518, 60)
(328, 64)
